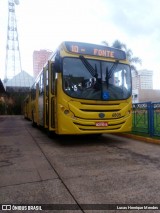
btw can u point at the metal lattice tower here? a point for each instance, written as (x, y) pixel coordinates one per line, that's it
(13, 59)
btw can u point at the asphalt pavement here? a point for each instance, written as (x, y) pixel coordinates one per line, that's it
(76, 171)
(26, 177)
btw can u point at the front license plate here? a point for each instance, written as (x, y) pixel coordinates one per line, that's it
(101, 124)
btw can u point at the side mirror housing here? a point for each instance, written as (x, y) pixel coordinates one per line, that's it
(55, 67)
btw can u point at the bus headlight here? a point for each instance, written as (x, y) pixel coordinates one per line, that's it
(66, 111)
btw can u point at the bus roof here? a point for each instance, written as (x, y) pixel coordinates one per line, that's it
(94, 49)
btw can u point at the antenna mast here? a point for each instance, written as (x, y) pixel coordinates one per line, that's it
(13, 59)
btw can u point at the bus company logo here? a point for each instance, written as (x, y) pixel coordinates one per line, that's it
(101, 115)
(6, 207)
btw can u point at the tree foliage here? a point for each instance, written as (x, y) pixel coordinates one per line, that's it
(133, 60)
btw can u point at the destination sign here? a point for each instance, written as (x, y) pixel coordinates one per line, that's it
(95, 50)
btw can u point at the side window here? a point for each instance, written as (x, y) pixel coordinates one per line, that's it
(53, 81)
(38, 84)
(47, 82)
(41, 84)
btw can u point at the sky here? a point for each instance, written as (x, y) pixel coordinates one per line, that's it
(45, 24)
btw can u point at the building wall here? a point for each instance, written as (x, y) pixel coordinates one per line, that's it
(40, 57)
(146, 79)
(146, 95)
(2, 90)
(142, 87)
(143, 80)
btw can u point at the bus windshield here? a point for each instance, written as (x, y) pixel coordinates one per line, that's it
(96, 80)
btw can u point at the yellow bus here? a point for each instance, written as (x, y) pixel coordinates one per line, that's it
(83, 89)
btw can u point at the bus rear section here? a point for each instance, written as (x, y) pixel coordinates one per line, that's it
(27, 107)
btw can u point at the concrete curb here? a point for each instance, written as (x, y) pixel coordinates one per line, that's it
(140, 138)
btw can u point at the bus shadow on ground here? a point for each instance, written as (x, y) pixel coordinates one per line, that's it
(82, 140)
(85, 140)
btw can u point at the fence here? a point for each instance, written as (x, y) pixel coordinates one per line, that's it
(146, 118)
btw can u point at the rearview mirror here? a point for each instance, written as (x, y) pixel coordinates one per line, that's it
(56, 66)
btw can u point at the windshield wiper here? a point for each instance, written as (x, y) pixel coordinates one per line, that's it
(114, 66)
(110, 72)
(89, 67)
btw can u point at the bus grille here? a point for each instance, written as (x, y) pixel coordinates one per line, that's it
(93, 127)
(87, 115)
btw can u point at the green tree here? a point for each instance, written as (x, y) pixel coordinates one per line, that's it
(133, 60)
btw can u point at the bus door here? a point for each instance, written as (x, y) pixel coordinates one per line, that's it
(52, 99)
